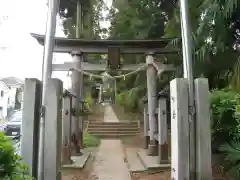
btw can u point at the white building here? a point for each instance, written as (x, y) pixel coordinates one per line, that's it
(11, 95)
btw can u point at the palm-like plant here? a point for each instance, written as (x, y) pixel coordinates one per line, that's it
(232, 151)
(217, 34)
(215, 31)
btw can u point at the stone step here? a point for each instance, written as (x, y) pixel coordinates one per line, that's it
(113, 122)
(112, 132)
(112, 126)
(111, 129)
(115, 135)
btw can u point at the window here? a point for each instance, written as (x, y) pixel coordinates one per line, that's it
(2, 93)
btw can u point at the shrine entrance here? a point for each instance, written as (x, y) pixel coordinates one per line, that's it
(64, 123)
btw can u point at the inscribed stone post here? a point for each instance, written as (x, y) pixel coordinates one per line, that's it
(179, 129)
(152, 103)
(203, 131)
(53, 130)
(162, 130)
(30, 124)
(146, 126)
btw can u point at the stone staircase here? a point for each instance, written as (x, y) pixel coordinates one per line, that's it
(113, 129)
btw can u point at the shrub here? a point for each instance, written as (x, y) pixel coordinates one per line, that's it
(224, 122)
(90, 141)
(11, 167)
(89, 100)
(121, 97)
(131, 100)
(232, 151)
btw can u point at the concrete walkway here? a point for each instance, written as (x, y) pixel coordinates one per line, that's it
(109, 162)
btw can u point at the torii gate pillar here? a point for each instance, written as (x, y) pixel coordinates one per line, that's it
(152, 103)
(77, 83)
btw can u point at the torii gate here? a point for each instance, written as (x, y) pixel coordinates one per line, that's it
(114, 48)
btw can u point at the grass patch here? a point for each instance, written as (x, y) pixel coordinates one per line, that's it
(90, 140)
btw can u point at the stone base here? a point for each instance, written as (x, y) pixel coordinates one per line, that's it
(152, 162)
(146, 141)
(78, 161)
(152, 148)
(66, 155)
(76, 149)
(163, 153)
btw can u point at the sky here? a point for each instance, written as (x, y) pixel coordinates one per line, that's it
(23, 56)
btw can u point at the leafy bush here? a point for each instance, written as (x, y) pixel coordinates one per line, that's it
(90, 141)
(89, 100)
(11, 167)
(224, 122)
(232, 151)
(130, 100)
(121, 98)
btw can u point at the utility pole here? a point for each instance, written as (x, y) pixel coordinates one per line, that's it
(188, 73)
(77, 81)
(2, 19)
(53, 6)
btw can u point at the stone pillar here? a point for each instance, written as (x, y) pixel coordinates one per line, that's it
(203, 129)
(152, 103)
(179, 129)
(162, 130)
(66, 136)
(30, 124)
(77, 135)
(146, 126)
(53, 131)
(99, 94)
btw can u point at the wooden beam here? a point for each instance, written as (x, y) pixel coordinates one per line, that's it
(143, 43)
(103, 67)
(140, 46)
(104, 50)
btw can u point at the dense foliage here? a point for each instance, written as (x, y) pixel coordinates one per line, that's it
(225, 121)
(226, 128)
(11, 167)
(214, 33)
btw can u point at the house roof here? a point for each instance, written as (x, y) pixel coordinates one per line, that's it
(11, 81)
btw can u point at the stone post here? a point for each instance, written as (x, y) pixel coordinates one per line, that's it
(30, 124)
(100, 94)
(179, 129)
(152, 103)
(53, 130)
(162, 129)
(203, 128)
(146, 125)
(66, 138)
(76, 89)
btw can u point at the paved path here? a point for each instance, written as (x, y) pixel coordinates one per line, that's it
(109, 162)
(109, 114)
